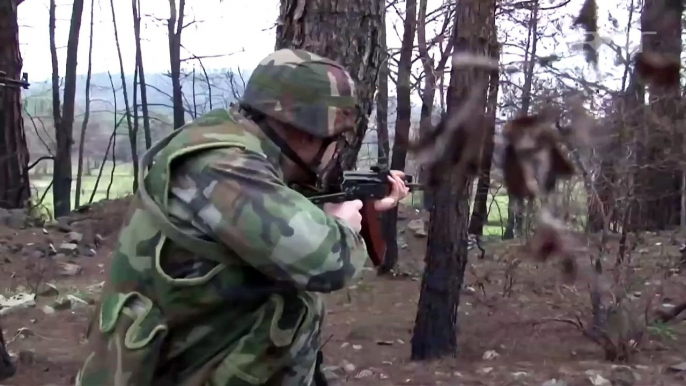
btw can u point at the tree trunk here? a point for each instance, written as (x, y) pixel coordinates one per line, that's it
(430, 80)
(174, 29)
(661, 178)
(383, 143)
(480, 211)
(64, 133)
(14, 154)
(344, 31)
(133, 135)
(402, 130)
(84, 126)
(515, 217)
(141, 73)
(435, 331)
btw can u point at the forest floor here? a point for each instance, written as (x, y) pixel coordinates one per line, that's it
(506, 338)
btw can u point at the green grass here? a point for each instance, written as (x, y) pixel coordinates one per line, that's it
(122, 183)
(495, 217)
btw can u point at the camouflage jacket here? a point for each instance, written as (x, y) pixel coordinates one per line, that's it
(218, 266)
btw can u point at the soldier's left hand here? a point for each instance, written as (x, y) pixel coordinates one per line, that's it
(398, 191)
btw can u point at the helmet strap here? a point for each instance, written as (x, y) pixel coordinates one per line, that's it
(285, 148)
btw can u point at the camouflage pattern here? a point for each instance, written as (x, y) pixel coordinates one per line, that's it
(307, 91)
(232, 297)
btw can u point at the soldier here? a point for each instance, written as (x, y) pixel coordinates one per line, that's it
(218, 273)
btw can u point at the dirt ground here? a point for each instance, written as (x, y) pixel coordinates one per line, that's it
(505, 339)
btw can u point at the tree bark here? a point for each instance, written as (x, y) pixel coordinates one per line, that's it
(344, 31)
(174, 29)
(14, 154)
(480, 211)
(133, 135)
(435, 328)
(64, 134)
(141, 73)
(86, 116)
(383, 143)
(660, 180)
(402, 130)
(430, 80)
(515, 218)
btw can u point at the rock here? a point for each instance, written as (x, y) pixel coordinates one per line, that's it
(17, 218)
(330, 373)
(90, 253)
(48, 310)
(417, 227)
(68, 248)
(4, 216)
(554, 382)
(61, 304)
(678, 367)
(98, 240)
(69, 269)
(348, 367)
(25, 332)
(74, 237)
(599, 380)
(47, 289)
(490, 355)
(622, 376)
(76, 302)
(16, 302)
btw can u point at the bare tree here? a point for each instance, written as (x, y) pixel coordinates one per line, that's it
(480, 211)
(431, 74)
(14, 154)
(84, 125)
(435, 329)
(402, 129)
(135, 4)
(64, 130)
(174, 29)
(132, 134)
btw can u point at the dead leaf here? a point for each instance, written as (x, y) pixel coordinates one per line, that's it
(588, 20)
(533, 158)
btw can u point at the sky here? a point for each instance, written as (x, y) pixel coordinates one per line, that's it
(239, 32)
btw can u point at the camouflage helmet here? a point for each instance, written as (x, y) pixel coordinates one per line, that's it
(304, 90)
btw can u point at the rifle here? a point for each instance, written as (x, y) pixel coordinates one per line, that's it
(366, 186)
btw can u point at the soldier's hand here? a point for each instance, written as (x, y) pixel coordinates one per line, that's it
(348, 211)
(398, 192)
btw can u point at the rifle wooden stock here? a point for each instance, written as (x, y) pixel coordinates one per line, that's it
(371, 233)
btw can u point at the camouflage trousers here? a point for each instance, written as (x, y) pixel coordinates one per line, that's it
(132, 346)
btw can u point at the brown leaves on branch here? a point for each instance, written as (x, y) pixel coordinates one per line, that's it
(455, 143)
(588, 20)
(533, 158)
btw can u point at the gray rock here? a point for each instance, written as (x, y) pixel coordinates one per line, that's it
(75, 237)
(417, 227)
(68, 248)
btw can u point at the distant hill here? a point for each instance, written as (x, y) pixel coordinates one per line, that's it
(159, 90)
